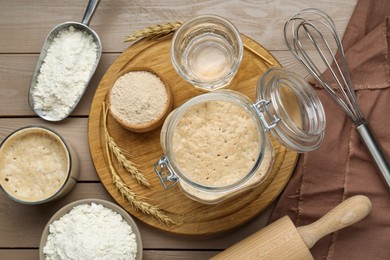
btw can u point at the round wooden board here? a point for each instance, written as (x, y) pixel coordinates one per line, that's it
(191, 217)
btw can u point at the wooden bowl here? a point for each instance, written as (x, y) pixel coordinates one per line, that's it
(151, 125)
(66, 209)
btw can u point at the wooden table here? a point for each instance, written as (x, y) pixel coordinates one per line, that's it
(24, 25)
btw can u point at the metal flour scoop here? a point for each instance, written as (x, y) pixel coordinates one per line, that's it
(83, 26)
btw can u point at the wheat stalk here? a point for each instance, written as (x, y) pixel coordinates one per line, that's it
(125, 191)
(154, 31)
(127, 164)
(121, 158)
(140, 205)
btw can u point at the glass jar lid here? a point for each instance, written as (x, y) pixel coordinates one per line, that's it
(290, 109)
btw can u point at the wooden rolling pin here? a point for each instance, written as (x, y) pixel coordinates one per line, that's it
(282, 240)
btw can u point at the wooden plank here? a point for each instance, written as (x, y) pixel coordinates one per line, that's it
(74, 131)
(21, 225)
(16, 71)
(19, 254)
(28, 254)
(156, 239)
(27, 25)
(24, 25)
(182, 255)
(15, 76)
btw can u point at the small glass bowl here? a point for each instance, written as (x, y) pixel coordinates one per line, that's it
(207, 51)
(41, 142)
(286, 106)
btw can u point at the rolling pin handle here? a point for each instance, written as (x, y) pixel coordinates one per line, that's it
(347, 213)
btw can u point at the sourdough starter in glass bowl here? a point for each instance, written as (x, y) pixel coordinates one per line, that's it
(216, 144)
(37, 165)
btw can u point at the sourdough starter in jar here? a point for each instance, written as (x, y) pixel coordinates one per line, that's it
(34, 165)
(216, 144)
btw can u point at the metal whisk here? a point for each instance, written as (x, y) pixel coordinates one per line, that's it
(309, 28)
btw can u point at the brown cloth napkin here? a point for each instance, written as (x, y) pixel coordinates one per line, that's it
(341, 167)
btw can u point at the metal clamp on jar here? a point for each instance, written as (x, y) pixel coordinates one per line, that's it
(216, 144)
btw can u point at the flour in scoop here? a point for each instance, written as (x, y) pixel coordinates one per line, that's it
(64, 72)
(90, 232)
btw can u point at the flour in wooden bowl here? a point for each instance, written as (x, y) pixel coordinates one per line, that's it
(140, 101)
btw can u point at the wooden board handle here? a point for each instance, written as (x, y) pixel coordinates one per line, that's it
(347, 213)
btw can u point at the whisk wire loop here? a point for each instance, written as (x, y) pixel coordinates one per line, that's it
(304, 29)
(338, 74)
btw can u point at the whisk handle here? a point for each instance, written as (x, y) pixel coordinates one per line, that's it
(375, 150)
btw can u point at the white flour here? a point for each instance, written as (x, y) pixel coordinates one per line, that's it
(90, 231)
(64, 72)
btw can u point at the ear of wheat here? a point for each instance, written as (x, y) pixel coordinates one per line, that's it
(124, 189)
(154, 31)
(132, 198)
(129, 166)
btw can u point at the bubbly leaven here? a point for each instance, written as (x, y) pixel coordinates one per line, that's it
(34, 164)
(216, 143)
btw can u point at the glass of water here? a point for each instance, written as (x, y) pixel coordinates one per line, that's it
(207, 51)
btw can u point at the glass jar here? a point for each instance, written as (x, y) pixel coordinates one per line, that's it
(216, 144)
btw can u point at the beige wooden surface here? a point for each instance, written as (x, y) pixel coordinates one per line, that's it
(24, 25)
